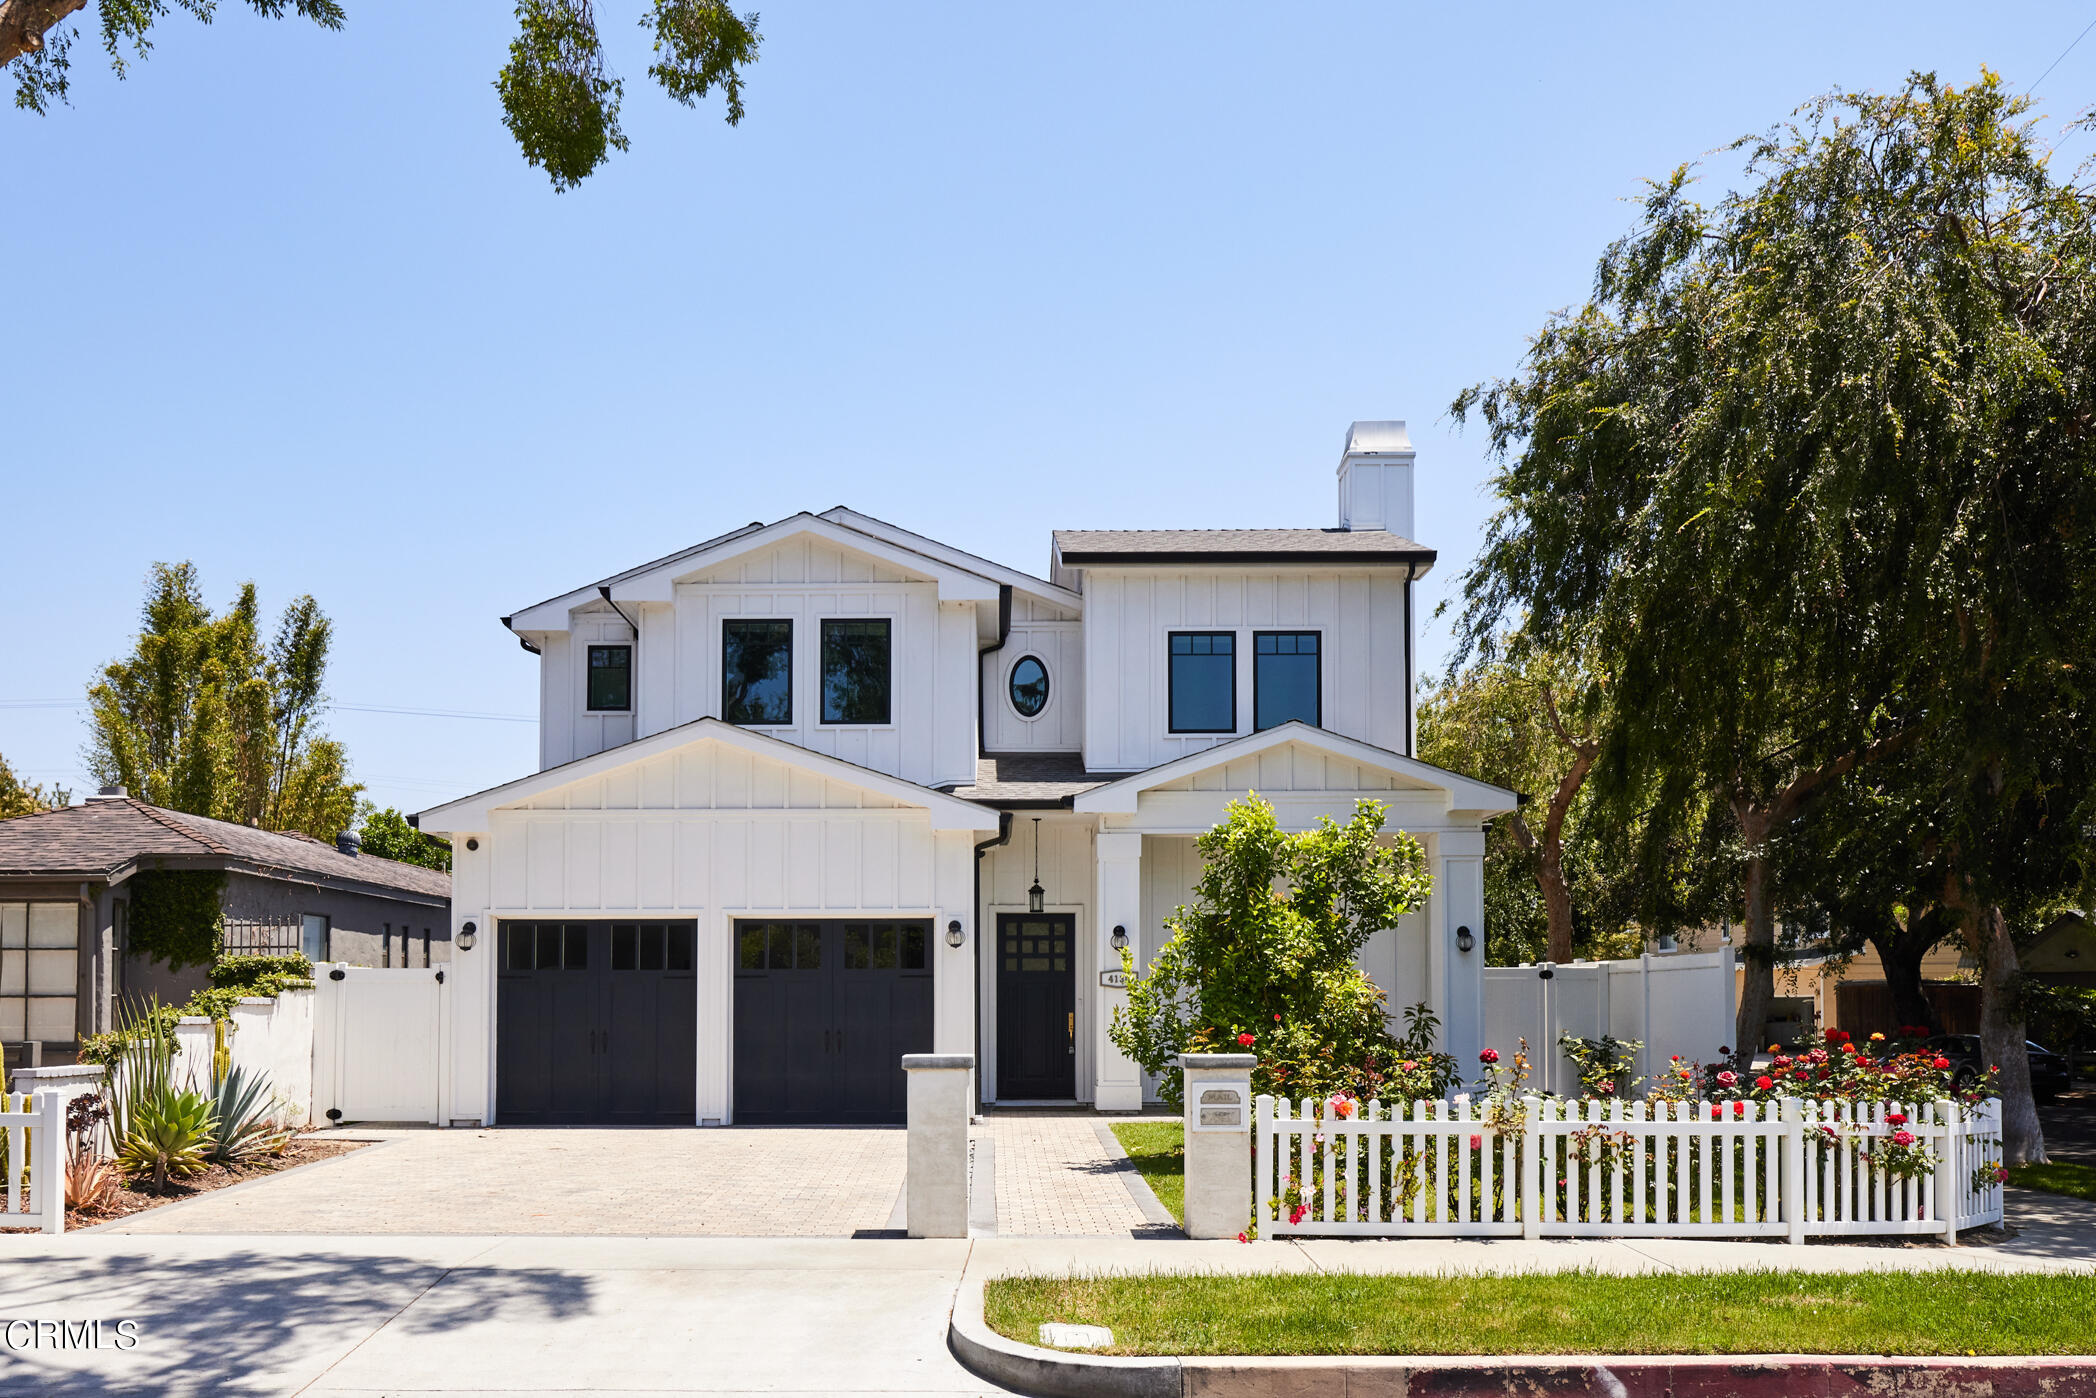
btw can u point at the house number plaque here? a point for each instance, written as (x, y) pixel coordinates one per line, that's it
(1114, 980)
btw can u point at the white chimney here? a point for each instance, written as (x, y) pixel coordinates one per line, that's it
(1375, 478)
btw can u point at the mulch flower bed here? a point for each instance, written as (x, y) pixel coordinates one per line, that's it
(139, 1195)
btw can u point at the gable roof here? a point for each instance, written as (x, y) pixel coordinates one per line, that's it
(109, 835)
(1464, 793)
(471, 812)
(895, 533)
(1092, 547)
(958, 580)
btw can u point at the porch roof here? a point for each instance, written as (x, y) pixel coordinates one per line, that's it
(471, 812)
(1459, 793)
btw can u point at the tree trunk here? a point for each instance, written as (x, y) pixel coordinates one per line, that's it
(1557, 899)
(1900, 952)
(1757, 953)
(2002, 1037)
(23, 24)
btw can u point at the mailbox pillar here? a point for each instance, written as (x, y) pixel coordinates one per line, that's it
(1218, 1143)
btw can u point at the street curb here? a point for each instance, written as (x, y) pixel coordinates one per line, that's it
(1060, 1374)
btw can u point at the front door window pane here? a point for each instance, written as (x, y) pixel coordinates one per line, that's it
(757, 672)
(855, 669)
(1203, 682)
(1285, 678)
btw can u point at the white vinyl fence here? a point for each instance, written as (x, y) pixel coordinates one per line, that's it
(33, 1128)
(271, 1037)
(378, 1043)
(1672, 1002)
(1552, 1168)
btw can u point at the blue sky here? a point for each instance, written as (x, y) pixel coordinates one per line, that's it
(289, 303)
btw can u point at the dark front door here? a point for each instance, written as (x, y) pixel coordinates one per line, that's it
(824, 1012)
(596, 1022)
(1036, 1007)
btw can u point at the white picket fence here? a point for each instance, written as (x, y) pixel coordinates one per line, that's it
(1553, 1168)
(35, 1133)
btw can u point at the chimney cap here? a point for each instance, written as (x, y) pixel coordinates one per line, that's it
(1377, 439)
(349, 844)
(109, 793)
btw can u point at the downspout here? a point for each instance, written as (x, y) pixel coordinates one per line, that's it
(1411, 696)
(1004, 837)
(1004, 633)
(633, 695)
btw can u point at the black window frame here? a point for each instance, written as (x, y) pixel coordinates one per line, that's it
(1318, 721)
(822, 672)
(1011, 686)
(589, 674)
(1171, 682)
(727, 625)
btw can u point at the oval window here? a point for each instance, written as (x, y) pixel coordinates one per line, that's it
(1029, 687)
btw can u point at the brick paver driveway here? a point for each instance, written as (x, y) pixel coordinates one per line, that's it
(746, 1181)
(1058, 1176)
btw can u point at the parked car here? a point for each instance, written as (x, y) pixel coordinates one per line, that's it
(2050, 1072)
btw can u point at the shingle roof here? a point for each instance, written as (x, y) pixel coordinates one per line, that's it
(99, 837)
(1031, 778)
(1094, 546)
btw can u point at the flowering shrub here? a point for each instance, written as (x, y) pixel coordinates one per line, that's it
(1604, 1064)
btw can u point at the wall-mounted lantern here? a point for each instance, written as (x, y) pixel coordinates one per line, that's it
(1036, 897)
(954, 935)
(1464, 941)
(467, 935)
(1120, 938)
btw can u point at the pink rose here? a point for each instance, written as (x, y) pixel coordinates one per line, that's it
(1727, 1078)
(1903, 1138)
(1476, 1142)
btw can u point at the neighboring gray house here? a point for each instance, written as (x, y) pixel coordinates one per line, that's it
(65, 903)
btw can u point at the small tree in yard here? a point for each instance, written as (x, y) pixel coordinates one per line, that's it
(1263, 961)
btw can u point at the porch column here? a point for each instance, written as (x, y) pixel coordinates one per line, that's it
(1456, 859)
(1117, 1084)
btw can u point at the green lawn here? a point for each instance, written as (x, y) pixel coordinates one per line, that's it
(1158, 1149)
(2077, 1180)
(1905, 1313)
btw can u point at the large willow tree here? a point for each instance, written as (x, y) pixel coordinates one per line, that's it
(1813, 474)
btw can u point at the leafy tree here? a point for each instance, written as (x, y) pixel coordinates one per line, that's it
(558, 99)
(203, 717)
(387, 834)
(1812, 472)
(1267, 951)
(25, 798)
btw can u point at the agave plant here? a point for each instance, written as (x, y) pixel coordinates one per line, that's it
(245, 1112)
(91, 1181)
(167, 1133)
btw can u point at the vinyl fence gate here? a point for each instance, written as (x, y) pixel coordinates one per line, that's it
(379, 1044)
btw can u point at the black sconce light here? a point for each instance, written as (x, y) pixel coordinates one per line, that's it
(1464, 941)
(1120, 938)
(1036, 896)
(954, 935)
(468, 933)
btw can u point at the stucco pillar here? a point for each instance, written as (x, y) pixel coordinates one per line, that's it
(1117, 1084)
(1456, 859)
(935, 1185)
(1218, 1143)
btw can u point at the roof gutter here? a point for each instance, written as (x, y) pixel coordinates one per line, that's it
(521, 641)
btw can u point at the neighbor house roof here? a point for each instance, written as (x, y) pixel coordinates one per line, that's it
(109, 835)
(1031, 779)
(1081, 547)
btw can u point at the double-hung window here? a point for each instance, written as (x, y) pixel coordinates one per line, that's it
(855, 671)
(611, 677)
(757, 672)
(1203, 682)
(39, 971)
(1286, 682)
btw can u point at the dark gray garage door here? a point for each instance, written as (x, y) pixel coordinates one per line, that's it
(596, 1022)
(824, 1012)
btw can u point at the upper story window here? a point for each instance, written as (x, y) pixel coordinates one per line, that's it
(855, 671)
(1204, 682)
(1286, 681)
(757, 672)
(611, 677)
(1029, 686)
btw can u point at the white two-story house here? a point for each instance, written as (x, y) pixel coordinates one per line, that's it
(817, 793)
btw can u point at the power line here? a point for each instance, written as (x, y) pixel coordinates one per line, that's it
(2032, 89)
(356, 708)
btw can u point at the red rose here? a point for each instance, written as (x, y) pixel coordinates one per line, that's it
(1489, 1056)
(1940, 1064)
(1903, 1138)
(1245, 1039)
(1895, 1118)
(1764, 1082)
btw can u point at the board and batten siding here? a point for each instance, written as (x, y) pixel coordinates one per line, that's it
(1054, 636)
(568, 729)
(710, 833)
(1130, 613)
